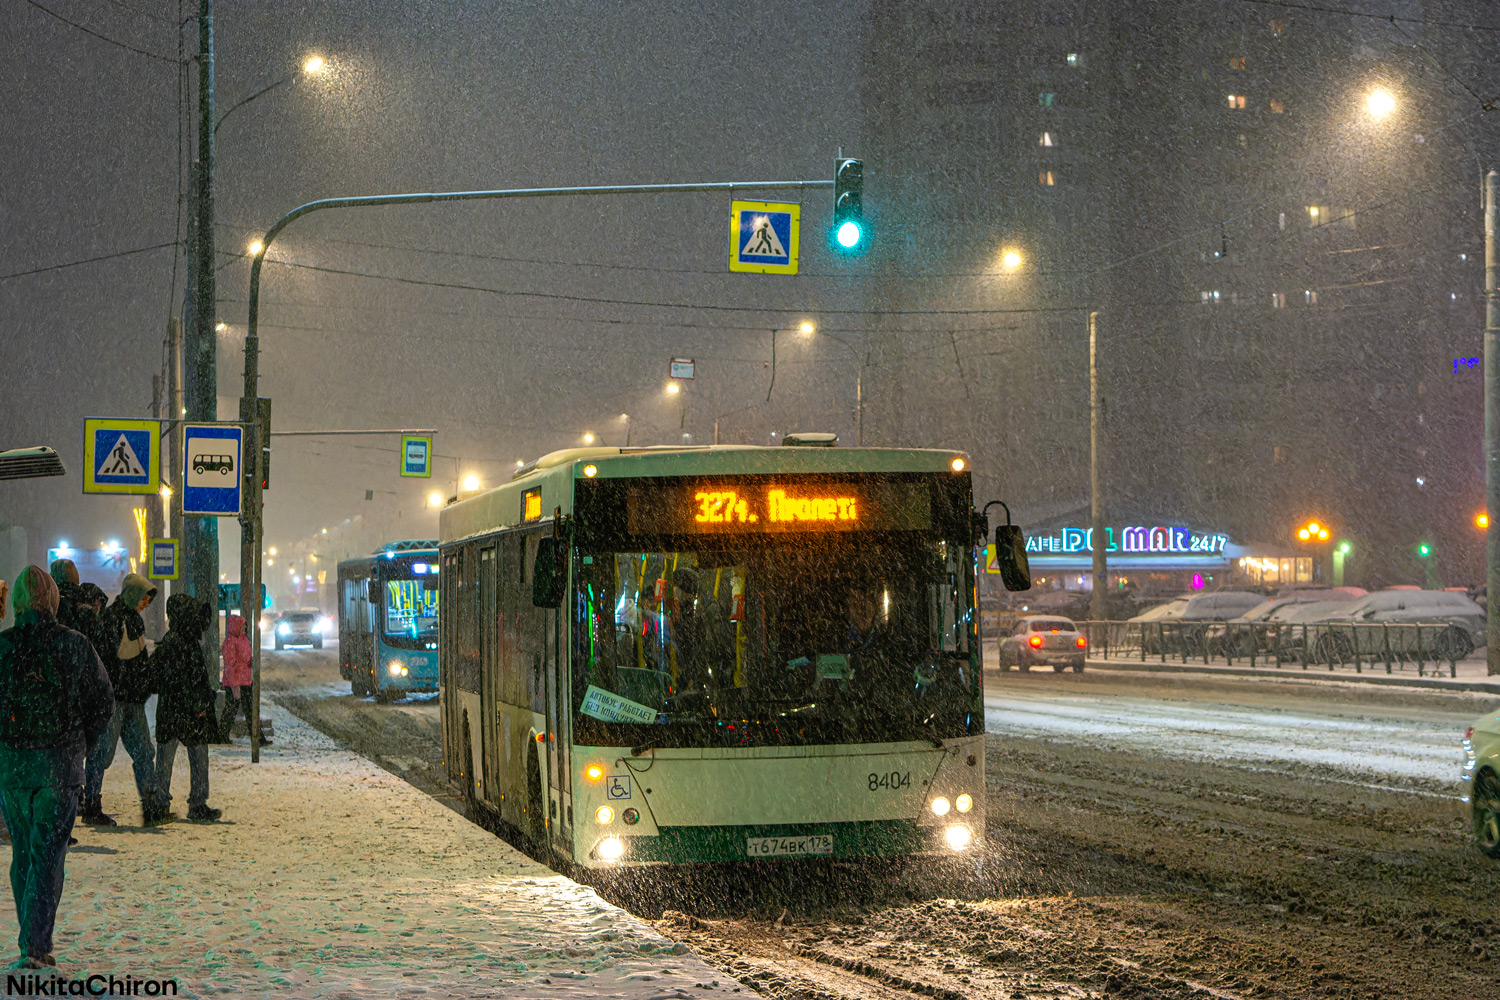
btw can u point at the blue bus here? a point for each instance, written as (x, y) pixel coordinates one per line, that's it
(388, 620)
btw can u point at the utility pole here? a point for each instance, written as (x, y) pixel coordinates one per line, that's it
(1492, 423)
(200, 538)
(1096, 496)
(155, 520)
(175, 411)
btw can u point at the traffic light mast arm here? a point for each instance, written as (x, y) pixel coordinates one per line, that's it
(250, 547)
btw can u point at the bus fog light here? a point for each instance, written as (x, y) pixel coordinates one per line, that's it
(611, 849)
(605, 815)
(940, 806)
(395, 668)
(958, 836)
(631, 816)
(964, 802)
(404, 671)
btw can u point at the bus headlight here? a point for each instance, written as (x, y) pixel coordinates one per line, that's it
(283, 629)
(958, 836)
(940, 806)
(610, 849)
(964, 802)
(395, 668)
(605, 815)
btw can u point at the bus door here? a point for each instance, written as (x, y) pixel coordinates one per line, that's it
(559, 728)
(489, 673)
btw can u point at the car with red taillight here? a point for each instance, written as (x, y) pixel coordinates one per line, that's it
(1043, 640)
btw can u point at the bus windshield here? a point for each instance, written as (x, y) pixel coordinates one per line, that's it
(411, 602)
(744, 641)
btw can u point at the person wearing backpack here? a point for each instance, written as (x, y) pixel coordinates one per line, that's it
(185, 706)
(125, 658)
(77, 610)
(55, 700)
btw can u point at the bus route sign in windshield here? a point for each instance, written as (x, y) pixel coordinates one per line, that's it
(727, 506)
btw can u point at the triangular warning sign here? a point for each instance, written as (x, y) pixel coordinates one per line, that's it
(763, 241)
(120, 460)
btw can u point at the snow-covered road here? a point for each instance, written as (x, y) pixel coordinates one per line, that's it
(1377, 741)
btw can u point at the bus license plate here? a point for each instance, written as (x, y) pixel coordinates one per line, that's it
(770, 847)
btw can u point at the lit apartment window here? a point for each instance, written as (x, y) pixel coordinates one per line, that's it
(1049, 139)
(1282, 220)
(1237, 101)
(1046, 98)
(1278, 300)
(1311, 297)
(1237, 62)
(1278, 453)
(1072, 59)
(1046, 178)
(1211, 297)
(1278, 26)
(1277, 107)
(1317, 215)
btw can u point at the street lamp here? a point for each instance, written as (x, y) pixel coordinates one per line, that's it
(471, 483)
(588, 437)
(626, 417)
(1313, 533)
(1482, 520)
(435, 499)
(1380, 103)
(1011, 259)
(314, 65)
(255, 247)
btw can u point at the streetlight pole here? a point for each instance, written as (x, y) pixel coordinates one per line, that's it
(1492, 422)
(1097, 610)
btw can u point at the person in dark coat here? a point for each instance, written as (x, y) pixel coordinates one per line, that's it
(185, 708)
(76, 609)
(55, 700)
(123, 651)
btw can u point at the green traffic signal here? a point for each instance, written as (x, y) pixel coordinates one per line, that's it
(1424, 550)
(848, 203)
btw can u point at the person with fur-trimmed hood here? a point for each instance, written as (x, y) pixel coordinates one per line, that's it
(185, 706)
(125, 657)
(55, 700)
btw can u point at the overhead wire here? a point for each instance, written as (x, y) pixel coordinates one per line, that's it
(86, 260)
(102, 37)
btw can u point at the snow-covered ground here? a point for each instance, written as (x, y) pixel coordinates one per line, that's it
(329, 877)
(1380, 742)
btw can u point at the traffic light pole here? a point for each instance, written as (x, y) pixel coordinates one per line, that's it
(1492, 423)
(1097, 610)
(252, 523)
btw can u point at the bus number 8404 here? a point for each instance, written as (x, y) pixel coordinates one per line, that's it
(895, 779)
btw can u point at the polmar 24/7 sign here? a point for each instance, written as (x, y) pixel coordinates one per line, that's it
(1135, 540)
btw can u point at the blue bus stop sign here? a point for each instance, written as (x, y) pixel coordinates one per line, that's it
(211, 472)
(416, 457)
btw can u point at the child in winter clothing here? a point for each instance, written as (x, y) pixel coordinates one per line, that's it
(185, 707)
(236, 676)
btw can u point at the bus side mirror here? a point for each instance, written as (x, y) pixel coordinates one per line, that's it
(549, 573)
(1010, 556)
(372, 591)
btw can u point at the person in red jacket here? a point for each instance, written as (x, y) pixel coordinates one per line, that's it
(236, 676)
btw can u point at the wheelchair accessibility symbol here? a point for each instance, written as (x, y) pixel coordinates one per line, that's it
(619, 787)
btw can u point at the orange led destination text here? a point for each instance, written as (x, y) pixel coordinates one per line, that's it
(728, 507)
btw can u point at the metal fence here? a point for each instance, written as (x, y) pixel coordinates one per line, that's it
(1392, 646)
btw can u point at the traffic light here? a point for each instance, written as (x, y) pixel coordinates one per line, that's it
(1424, 550)
(848, 204)
(262, 418)
(1482, 520)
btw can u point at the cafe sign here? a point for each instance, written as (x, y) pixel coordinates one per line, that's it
(1134, 540)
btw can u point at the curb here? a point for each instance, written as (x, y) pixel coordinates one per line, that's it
(1434, 683)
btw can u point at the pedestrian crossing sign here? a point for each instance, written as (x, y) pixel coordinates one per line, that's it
(121, 456)
(763, 236)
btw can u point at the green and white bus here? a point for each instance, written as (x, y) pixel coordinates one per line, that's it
(720, 653)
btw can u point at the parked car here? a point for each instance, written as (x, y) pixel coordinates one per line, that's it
(1457, 625)
(1171, 630)
(300, 628)
(1256, 628)
(1481, 773)
(1036, 640)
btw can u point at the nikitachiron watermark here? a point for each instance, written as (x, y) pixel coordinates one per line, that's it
(52, 985)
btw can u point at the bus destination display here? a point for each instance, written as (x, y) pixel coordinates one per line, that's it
(708, 507)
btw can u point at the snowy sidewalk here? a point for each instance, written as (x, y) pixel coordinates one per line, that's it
(329, 877)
